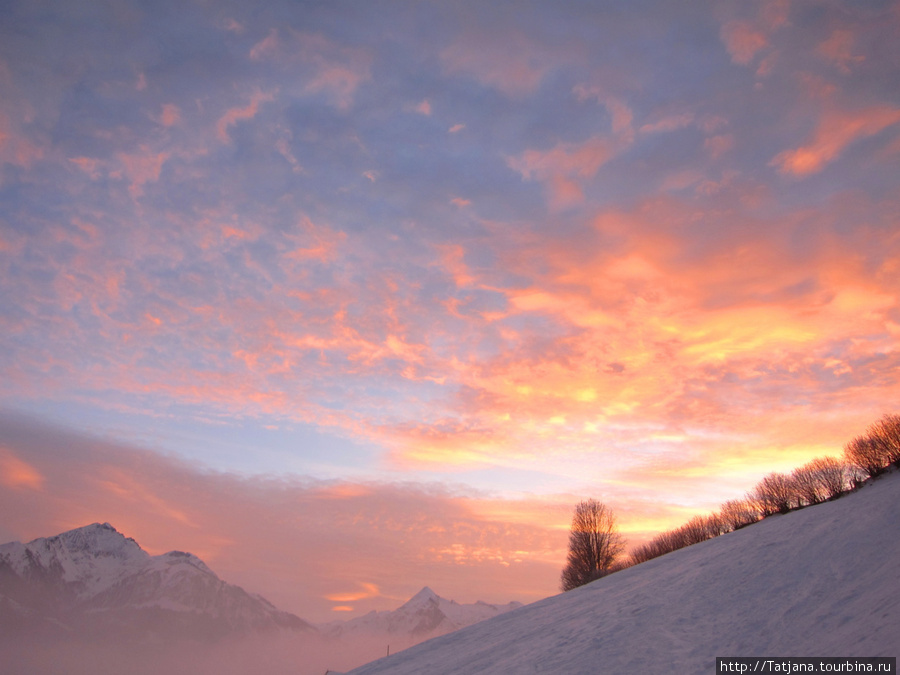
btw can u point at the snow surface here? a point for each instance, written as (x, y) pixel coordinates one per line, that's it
(822, 581)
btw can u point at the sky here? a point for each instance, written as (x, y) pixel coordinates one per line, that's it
(352, 298)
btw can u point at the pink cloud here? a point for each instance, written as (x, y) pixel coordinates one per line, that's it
(836, 131)
(89, 165)
(510, 62)
(142, 167)
(743, 41)
(719, 145)
(170, 115)
(14, 147)
(329, 68)
(564, 167)
(669, 123)
(776, 13)
(838, 50)
(234, 115)
(305, 545)
(18, 474)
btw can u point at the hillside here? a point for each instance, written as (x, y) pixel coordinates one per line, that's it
(822, 581)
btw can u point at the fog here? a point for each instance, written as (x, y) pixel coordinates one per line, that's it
(274, 655)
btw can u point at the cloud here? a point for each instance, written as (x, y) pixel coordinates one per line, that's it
(565, 167)
(838, 49)
(670, 123)
(364, 592)
(17, 474)
(510, 63)
(170, 115)
(327, 68)
(836, 130)
(743, 41)
(303, 544)
(15, 147)
(234, 115)
(141, 167)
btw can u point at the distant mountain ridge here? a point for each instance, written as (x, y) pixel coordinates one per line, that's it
(94, 580)
(424, 615)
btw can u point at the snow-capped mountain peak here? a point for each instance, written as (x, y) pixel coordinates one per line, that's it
(423, 598)
(86, 560)
(180, 557)
(95, 576)
(424, 615)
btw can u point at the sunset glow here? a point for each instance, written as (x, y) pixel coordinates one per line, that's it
(353, 298)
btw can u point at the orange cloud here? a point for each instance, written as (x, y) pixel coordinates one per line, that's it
(836, 130)
(365, 592)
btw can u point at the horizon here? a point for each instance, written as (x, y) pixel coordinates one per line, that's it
(350, 300)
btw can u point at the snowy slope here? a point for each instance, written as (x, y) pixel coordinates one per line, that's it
(424, 615)
(823, 581)
(95, 579)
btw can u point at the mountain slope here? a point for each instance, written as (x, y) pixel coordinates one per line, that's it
(822, 581)
(93, 580)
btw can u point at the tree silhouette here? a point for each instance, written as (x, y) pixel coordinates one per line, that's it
(594, 543)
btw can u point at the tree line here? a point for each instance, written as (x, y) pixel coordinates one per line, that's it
(596, 547)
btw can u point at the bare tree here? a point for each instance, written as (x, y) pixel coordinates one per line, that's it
(806, 484)
(867, 454)
(738, 513)
(774, 494)
(887, 432)
(832, 476)
(594, 544)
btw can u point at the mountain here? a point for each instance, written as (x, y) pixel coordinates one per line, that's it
(95, 581)
(821, 581)
(424, 615)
